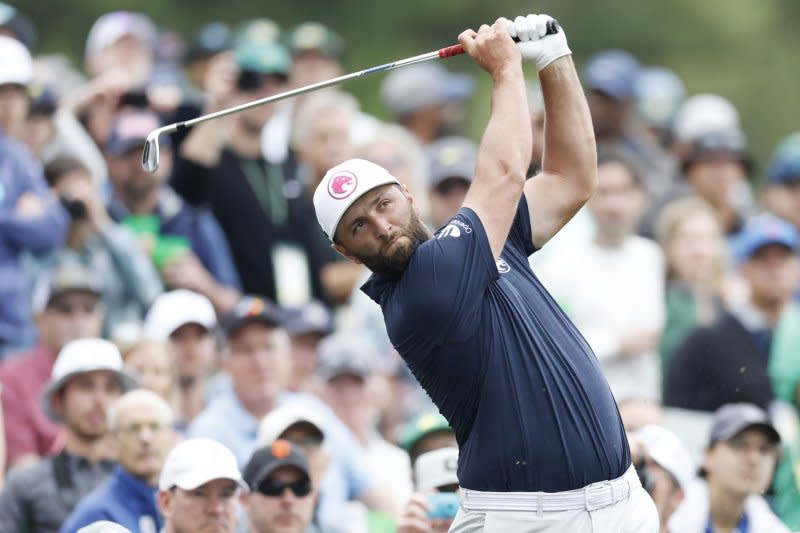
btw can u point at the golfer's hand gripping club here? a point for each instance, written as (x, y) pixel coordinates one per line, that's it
(524, 30)
(529, 32)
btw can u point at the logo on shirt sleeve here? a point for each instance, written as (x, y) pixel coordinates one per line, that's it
(454, 229)
(450, 230)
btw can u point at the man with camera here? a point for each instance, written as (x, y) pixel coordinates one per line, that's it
(665, 468)
(107, 250)
(434, 506)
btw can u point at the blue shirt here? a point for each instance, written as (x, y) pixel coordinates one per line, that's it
(122, 499)
(20, 174)
(518, 383)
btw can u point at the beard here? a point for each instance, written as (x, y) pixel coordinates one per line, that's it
(138, 189)
(392, 264)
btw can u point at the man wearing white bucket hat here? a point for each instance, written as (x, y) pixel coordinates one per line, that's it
(86, 378)
(480, 333)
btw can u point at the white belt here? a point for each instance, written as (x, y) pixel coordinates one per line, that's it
(590, 497)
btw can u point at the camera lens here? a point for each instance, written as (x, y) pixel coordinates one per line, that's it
(75, 208)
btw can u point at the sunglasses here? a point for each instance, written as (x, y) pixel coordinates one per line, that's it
(275, 489)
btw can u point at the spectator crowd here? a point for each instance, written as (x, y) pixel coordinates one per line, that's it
(184, 351)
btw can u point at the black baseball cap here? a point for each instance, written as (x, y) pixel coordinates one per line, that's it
(311, 317)
(212, 39)
(731, 419)
(251, 309)
(267, 459)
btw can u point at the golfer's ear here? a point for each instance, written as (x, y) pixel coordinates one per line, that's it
(343, 252)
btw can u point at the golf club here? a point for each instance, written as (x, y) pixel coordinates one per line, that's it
(150, 158)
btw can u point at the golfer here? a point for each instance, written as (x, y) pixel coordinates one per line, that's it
(542, 447)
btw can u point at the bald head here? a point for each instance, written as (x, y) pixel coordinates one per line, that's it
(143, 400)
(141, 423)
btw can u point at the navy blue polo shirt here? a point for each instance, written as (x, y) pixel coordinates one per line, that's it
(516, 380)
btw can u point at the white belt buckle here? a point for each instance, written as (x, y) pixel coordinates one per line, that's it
(596, 494)
(587, 493)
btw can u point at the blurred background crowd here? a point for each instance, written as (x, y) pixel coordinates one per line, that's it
(202, 304)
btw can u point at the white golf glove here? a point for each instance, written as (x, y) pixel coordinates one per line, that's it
(534, 43)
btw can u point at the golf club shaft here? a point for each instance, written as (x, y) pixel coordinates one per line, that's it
(444, 52)
(150, 151)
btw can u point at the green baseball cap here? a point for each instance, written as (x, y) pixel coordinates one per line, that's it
(422, 425)
(315, 37)
(269, 57)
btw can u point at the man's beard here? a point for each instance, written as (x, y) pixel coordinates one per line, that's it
(393, 264)
(138, 190)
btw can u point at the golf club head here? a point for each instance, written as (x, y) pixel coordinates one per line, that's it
(150, 152)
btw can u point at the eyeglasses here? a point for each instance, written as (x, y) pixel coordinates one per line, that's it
(274, 488)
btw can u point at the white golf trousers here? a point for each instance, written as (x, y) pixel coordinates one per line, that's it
(617, 506)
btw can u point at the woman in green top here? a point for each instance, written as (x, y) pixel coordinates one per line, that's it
(694, 247)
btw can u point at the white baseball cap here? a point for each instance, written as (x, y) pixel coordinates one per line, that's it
(667, 450)
(705, 114)
(436, 468)
(174, 309)
(113, 26)
(15, 62)
(279, 420)
(80, 356)
(342, 186)
(195, 462)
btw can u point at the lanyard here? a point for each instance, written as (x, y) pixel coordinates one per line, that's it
(742, 527)
(267, 188)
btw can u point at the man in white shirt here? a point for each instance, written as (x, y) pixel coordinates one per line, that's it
(612, 286)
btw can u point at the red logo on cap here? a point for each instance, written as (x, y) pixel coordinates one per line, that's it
(281, 449)
(342, 185)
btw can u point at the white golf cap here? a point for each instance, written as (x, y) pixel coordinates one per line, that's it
(16, 65)
(436, 468)
(667, 450)
(174, 309)
(705, 114)
(78, 357)
(342, 186)
(279, 420)
(113, 26)
(195, 462)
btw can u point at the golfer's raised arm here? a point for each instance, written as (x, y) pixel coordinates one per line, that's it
(505, 148)
(569, 161)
